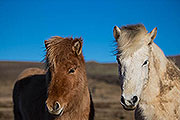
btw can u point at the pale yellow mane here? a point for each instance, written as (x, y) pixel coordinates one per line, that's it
(131, 39)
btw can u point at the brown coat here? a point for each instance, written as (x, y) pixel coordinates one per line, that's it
(64, 83)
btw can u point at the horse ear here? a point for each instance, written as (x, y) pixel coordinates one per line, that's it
(116, 32)
(152, 35)
(46, 43)
(77, 46)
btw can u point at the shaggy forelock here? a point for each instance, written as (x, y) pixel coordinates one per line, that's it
(58, 49)
(130, 39)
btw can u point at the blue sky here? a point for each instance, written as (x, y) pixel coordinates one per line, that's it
(24, 25)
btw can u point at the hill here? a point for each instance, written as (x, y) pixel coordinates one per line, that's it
(103, 83)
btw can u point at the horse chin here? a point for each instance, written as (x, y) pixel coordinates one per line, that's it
(129, 108)
(57, 113)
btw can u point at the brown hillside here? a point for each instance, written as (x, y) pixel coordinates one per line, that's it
(103, 82)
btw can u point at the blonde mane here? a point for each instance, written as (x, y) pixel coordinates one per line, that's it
(131, 39)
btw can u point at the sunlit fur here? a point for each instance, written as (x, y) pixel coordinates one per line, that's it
(157, 84)
(31, 72)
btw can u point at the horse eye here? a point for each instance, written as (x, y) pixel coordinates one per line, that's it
(72, 70)
(145, 63)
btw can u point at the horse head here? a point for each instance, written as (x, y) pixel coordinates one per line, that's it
(133, 54)
(67, 79)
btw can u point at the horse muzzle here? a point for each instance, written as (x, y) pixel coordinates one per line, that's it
(55, 109)
(129, 104)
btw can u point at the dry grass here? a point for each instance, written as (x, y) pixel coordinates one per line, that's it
(103, 82)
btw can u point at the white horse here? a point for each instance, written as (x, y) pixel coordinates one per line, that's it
(150, 83)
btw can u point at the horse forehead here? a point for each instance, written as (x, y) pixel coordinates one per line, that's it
(66, 64)
(137, 56)
(64, 57)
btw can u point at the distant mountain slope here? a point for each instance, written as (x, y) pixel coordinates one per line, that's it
(10, 70)
(175, 59)
(103, 72)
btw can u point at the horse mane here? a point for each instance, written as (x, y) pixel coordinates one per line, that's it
(130, 39)
(58, 49)
(172, 71)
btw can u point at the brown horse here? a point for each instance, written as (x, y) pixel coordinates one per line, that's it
(62, 93)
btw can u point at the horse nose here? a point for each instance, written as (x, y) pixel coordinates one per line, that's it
(134, 99)
(129, 102)
(56, 106)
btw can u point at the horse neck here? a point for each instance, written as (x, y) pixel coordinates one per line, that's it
(164, 76)
(157, 70)
(158, 59)
(82, 109)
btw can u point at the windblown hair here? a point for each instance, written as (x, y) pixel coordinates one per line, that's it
(130, 39)
(58, 49)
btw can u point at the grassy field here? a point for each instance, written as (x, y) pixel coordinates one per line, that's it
(103, 82)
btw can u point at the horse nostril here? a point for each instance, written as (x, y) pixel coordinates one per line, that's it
(56, 106)
(122, 100)
(134, 99)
